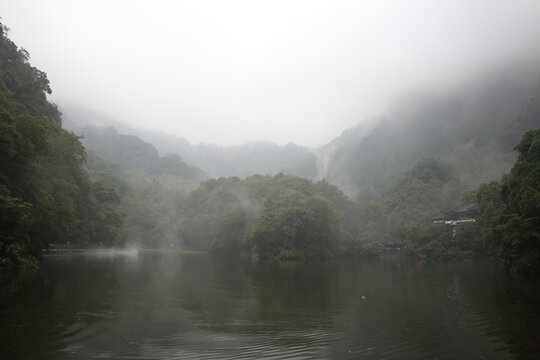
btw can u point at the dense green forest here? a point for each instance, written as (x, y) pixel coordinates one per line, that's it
(150, 186)
(516, 227)
(46, 196)
(423, 160)
(274, 216)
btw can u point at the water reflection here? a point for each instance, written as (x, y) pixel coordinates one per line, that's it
(165, 306)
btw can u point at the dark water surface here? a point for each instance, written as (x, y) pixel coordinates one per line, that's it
(198, 306)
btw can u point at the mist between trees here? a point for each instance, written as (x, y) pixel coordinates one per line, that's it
(423, 159)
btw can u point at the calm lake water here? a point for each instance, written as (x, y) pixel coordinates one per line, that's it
(199, 306)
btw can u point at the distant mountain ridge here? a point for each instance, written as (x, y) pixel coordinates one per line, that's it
(472, 127)
(257, 157)
(135, 155)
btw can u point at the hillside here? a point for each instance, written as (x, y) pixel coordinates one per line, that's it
(46, 195)
(473, 127)
(256, 157)
(138, 158)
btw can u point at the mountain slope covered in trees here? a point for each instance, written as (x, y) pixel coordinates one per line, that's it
(473, 128)
(46, 196)
(139, 158)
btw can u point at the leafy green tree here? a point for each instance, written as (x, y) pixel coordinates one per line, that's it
(14, 221)
(281, 215)
(231, 228)
(295, 226)
(107, 217)
(45, 194)
(430, 241)
(349, 219)
(516, 234)
(421, 192)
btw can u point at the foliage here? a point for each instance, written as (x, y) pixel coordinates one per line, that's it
(429, 240)
(490, 204)
(152, 215)
(150, 186)
(276, 216)
(45, 195)
(507, 224)
(295, 226)
(421, 192)
(516, 232)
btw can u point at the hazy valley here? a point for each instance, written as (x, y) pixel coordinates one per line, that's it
(414, 233)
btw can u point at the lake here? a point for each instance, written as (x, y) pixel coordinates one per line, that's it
(146, 305)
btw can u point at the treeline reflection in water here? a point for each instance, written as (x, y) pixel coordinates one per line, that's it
(199, 306)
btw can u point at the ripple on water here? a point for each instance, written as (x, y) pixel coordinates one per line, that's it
(201, 308)
(197, 345)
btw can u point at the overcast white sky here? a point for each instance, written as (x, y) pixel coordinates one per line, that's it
(227, 72)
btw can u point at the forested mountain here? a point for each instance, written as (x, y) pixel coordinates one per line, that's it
(473, 128)
(437, 152)
(46, 196)
(151, 187)
(258, 157)
(139, 158)
(516, 227)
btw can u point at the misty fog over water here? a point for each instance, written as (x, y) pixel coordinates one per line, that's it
(268, 179)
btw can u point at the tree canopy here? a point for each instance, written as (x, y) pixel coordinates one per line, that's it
(46, 196)
(516, 232)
